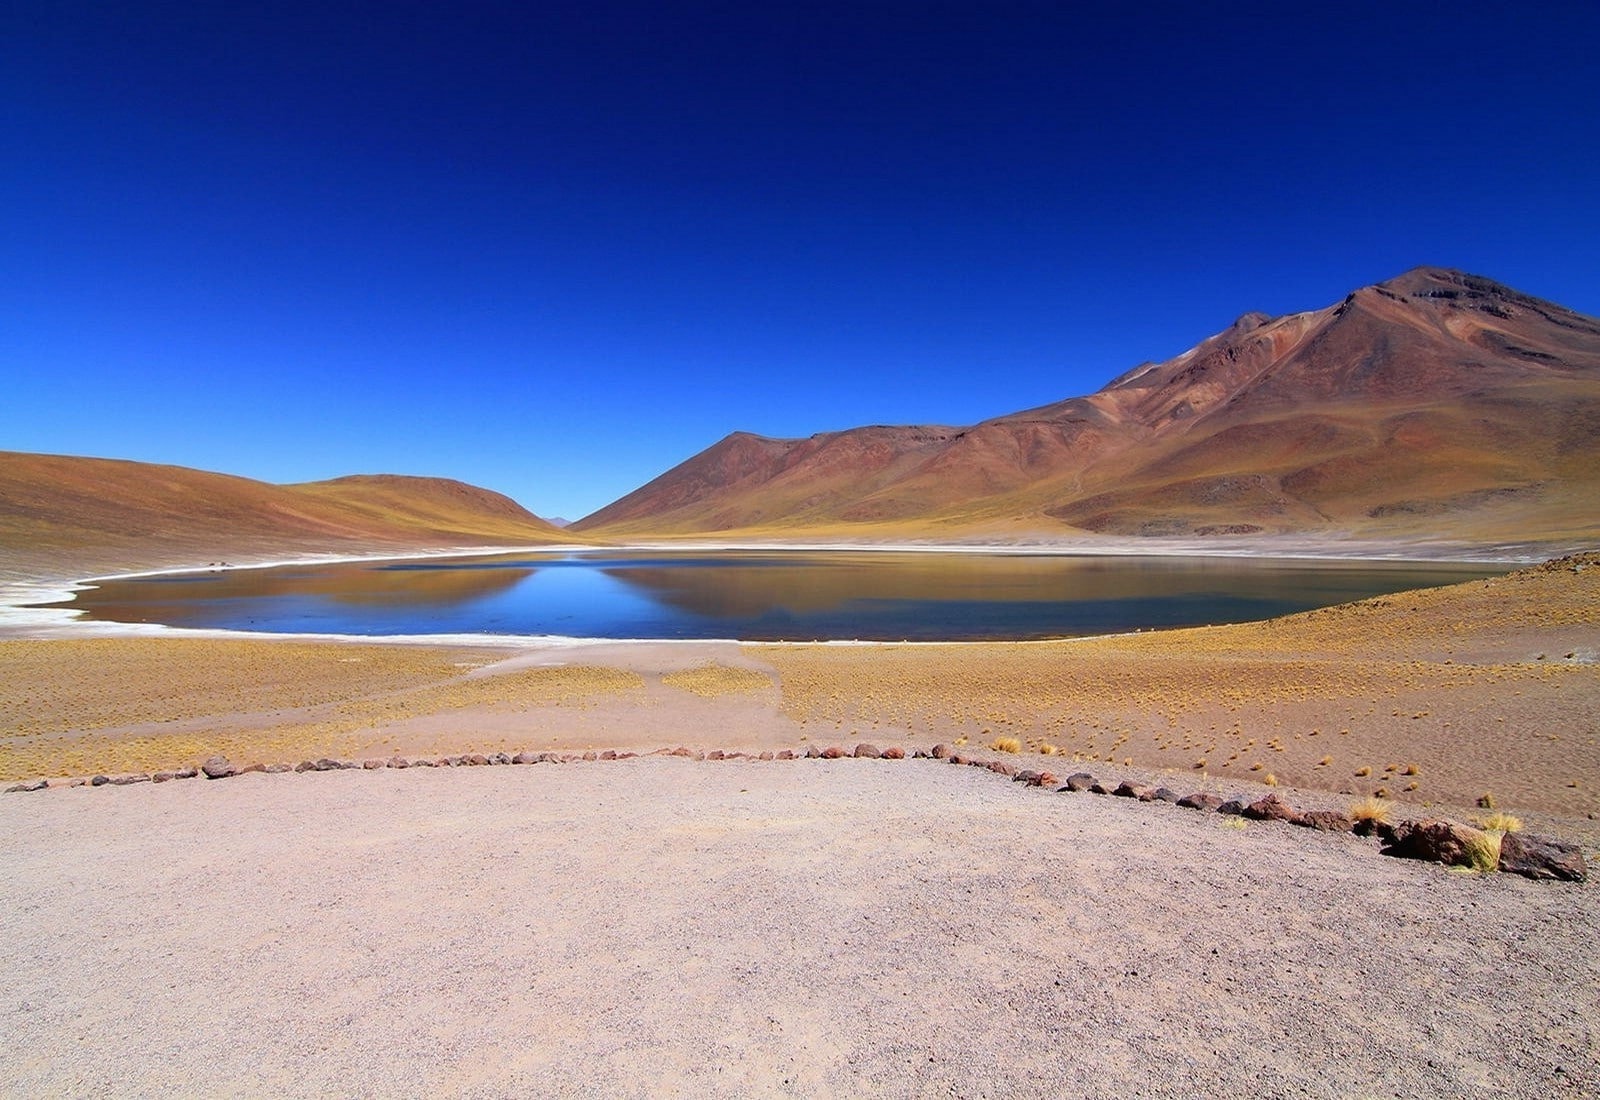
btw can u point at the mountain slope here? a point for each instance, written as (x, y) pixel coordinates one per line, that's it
(1434, 403)
(63, 515)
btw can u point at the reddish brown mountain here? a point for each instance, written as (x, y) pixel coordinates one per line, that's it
(63, 516)
(1435, 404)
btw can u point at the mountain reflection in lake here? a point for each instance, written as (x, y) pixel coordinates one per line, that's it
(758, 595)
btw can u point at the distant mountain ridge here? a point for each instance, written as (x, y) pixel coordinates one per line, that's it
(63, 515)
(1435, 402)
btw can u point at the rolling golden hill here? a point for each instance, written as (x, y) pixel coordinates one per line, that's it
(1437, 404)
(65, 516)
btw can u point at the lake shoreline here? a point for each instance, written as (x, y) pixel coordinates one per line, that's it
(19, 620)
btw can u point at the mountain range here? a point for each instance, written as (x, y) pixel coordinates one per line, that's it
(1436, 406)
(1436, 403)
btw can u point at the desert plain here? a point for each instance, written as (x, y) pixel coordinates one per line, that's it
(687, 925)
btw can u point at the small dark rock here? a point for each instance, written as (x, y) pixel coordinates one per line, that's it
(478, 760)
(27, 786)
(1270, 808)
(1080, 781)
(833, 752)
(500, 758)
(1129, 789)
(894, 752)
(716, 754)
(372, 764)
(1204, 801)
(1164, 794)
(1326, 821)
(939, 751)
(868, 752)
(813, 753)
(217, 767)
(1000, 767)
(99, 781)
(1233, 807)
(1542, 857)
(1098, 787)
(785, 754)
(1434, 841)
(306, 766)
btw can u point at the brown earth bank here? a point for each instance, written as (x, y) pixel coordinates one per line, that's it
(64, 516)
(1486, 690)
(662, 927)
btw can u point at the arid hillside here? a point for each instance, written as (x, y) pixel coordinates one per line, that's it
(1434, 404)
(63, 516)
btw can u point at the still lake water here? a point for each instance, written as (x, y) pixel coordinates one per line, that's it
(758, 595)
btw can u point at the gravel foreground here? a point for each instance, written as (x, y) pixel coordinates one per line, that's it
(661, 927)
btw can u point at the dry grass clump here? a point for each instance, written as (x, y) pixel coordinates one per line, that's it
(1498, 822)
(1483, 852)
(712, 680)
(1048, 749)
(1006, 744)
(1374, 810)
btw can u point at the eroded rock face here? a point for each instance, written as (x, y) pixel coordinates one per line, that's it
(1200, 800)
(1446, 842)
(1542, 857)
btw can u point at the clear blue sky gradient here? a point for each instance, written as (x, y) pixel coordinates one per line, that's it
(555, 248)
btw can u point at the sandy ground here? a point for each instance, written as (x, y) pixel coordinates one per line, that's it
(662, 927)
(1437, 697)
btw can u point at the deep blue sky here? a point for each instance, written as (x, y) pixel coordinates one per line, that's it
(555, 248)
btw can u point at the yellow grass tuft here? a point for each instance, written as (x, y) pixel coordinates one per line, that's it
(1270, 780)
(1363, 771)
(1048, 749)
(1006, 744)
(1498, 822)
(1370, 809)
(1483, 852)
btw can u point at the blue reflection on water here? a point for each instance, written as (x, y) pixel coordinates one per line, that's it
(762, 595)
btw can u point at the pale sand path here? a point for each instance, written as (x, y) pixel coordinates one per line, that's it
(815, 928)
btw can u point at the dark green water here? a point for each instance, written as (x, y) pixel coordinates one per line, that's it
(759, 595)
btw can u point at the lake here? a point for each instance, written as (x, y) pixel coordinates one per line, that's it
(767, 595)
